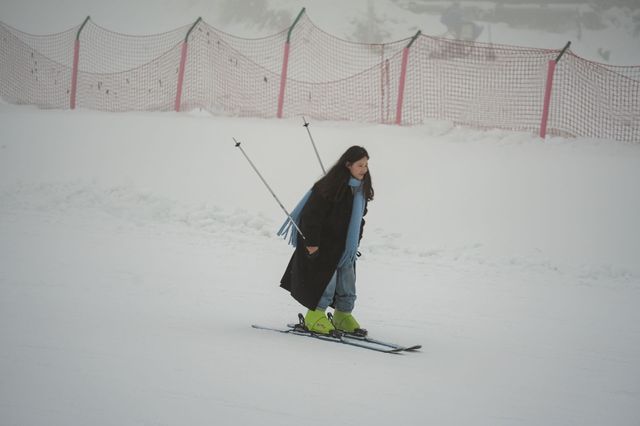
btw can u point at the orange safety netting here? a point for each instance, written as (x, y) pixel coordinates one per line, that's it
(474, 84)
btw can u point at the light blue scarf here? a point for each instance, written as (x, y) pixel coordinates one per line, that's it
(353, 233)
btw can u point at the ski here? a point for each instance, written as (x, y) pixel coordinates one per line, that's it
(336, 338)
(371, 340)
(353, 339)
(366, 338)
(363, 335)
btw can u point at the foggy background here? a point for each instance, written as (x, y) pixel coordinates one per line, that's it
(601, 30)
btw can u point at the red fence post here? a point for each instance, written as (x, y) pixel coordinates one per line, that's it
(183, 61)
(285, 66)
(547, 99)
(283, 78)
(403, 78)
(183, 64)
(74, 70)
(74, 74)
(551, 69)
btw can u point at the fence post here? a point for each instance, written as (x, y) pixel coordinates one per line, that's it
(403, 77)
(551, 68)
(76, 60)
(183, 63)
(285, 66)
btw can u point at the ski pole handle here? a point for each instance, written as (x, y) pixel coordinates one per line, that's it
(324, 172)
(269, 188)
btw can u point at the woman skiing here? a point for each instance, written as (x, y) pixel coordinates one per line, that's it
(321, 272)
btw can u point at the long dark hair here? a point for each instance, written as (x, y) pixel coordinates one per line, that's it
(334, 184)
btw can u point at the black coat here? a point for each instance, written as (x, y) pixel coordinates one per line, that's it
(324, 222)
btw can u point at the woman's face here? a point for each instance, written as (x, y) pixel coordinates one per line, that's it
(359, 168)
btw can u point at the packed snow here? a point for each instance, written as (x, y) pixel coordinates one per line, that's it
(137, 249)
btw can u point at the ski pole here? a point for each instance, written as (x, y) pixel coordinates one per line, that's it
(269, 188)
(314, 145)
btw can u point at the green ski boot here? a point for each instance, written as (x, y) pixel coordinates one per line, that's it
(317, 322)
(344, 321)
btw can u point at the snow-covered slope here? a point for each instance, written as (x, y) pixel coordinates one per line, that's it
(137, 249)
